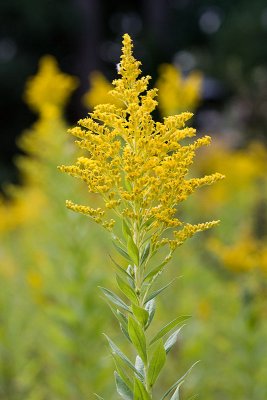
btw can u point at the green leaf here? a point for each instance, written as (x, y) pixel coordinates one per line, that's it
(151, 308)
(123, 390)
(115, 350)
(122, 252)
(127, 185)
(123, 271)
(157, 292)
(139, 365)
(176, 394)
(140, 392)
(145, 253)
(137, 337)
(156, 363)
(140, 314)
(148, 222)
(126, 289)
(120, 367)
(172, 339)
(114, 298)
(179, 381)
(155, 272)
(126, 230)
(169, 327)
(133, 250)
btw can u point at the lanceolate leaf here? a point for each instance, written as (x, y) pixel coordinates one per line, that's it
(156, 363)
(114, 298)
(133, 250)
(140, 392)
(137, 337)
(145, 253)
(139, 365)
(123, 390)
(154, 272)
(176, 394)
(120, 367)
(123, 271)
(126, 230)
(122, 252)
(172, 339)
(157, 292)
(169, 327)
(140, 314)
(126, 289)
(151, 308)
(123, 357)
(179, 381)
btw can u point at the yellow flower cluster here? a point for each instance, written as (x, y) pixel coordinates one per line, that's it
(178, 93)
(249, 170)
(245, 255)
(137, 165)
(48, 91)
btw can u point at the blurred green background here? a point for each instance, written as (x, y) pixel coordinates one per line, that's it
(51, 261)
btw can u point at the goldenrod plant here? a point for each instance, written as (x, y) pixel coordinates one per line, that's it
(138, 168)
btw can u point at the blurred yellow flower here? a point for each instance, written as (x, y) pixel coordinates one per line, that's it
(244, 255)
(244, 169)
(178, 93)
(48, 91)
(99, 91)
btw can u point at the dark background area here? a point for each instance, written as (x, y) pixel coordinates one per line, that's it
(225, 39)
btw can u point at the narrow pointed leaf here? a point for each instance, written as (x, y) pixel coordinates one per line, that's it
(145, 253)
(140, 314)
(179, 381)
(120, 367)
(126, 230)
(176, 394)
(123, 357)
(122, 252)
(172, 339)
(151, 309)
(139, 365)
(156, 363)
(137, 337)
(114, 298)
(155, 271)
(157, 292)
(126, 289)
(132, 250)
(140, 392)
(167, 328)
(122, 270)
(123, 390)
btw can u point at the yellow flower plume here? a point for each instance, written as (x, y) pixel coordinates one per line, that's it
(137, 165)
(48, 91)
